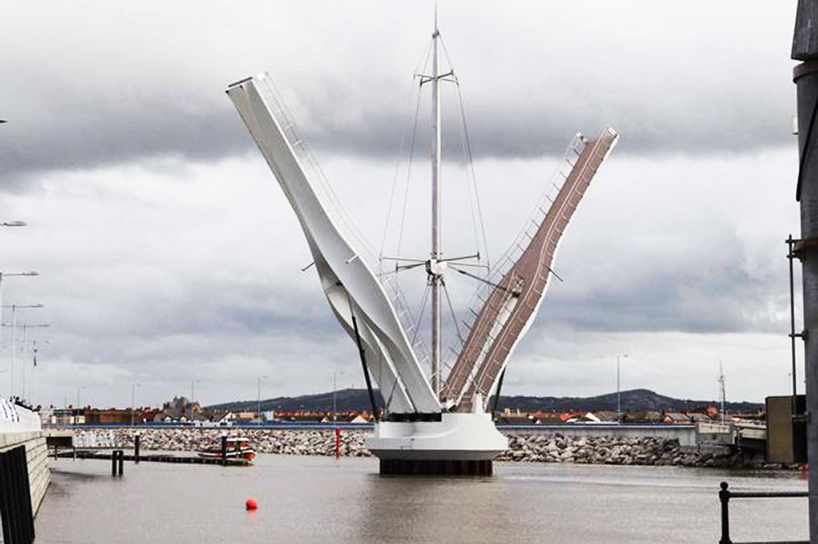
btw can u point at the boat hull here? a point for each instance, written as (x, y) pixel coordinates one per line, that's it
(247, 454)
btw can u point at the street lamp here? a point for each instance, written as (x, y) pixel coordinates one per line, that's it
(12, 274)
(25, 350)
(13, 224)
(192, 390)
(258, 404)
(133, 397)
(77, 407)
(35, 352)
(14, 308)
(334, 389)
(79, 388)
(618, 395)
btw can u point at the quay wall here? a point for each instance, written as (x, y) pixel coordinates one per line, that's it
(23, 428)
(37, 459)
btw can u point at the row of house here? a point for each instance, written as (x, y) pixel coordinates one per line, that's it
(704, 414)
(181, 410)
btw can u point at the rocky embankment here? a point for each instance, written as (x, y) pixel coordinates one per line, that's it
(534, 448)
(606, 450)
(263, 440)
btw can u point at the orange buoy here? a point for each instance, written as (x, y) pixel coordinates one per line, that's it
(251, 504)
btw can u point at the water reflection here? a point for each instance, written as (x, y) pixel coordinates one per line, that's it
(311, 499)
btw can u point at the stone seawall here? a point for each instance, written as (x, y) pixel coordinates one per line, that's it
(538, 448)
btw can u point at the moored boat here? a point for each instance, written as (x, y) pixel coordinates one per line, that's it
(237, 448)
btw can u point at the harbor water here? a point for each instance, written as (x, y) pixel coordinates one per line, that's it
(321, 500)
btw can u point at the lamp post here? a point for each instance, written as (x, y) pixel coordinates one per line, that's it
(192, 392)
(334, 390)
(26, 326)
(14, 308)
(618, 393)
(13, 224)
(35, 352)
(133, 399)
(12, 274)
(77, 407)
(79, 388)
(258, 402)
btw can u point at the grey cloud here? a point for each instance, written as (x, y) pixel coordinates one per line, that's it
(180, 259)
(78, 136)
(81, 137)
(163, 97)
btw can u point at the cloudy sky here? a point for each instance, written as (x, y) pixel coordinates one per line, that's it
(168, 253)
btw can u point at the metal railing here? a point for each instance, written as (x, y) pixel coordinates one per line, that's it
(725, 495)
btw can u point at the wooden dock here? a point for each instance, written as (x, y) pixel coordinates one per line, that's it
(151, 458)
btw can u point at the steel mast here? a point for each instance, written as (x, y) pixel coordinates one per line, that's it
(434, 267)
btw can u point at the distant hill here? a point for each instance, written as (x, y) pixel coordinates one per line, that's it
(346, 400)
(632, 400)
(357, 399)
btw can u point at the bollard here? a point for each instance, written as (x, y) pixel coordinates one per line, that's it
(136, 448)
(337, 443)
(224, 449)
(724, 497)
(117, 462)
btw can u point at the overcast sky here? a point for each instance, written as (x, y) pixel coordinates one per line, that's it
(168, 253)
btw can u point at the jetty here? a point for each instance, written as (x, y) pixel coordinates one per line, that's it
(150, 458)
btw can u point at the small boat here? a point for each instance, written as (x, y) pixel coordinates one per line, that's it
(237, 448)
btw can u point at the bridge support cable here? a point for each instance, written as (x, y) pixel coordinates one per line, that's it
(470, 160)
(362, 354)
(424, 60)
(454, 316)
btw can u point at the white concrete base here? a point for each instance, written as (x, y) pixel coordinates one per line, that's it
(457, 437)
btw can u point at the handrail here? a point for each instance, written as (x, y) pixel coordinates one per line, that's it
(725, 495)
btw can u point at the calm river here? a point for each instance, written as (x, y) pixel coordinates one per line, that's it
(317, 499)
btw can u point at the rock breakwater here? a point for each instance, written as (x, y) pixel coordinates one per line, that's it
(533, 448)
(608, 450)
